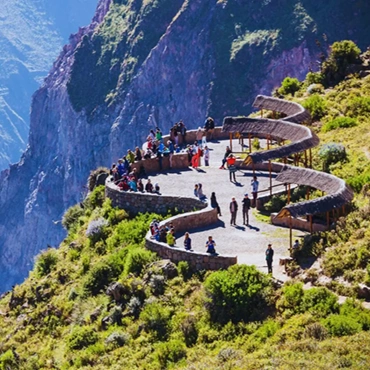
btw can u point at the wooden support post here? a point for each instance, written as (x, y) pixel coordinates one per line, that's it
(328, 219)
(231, 141)
(270, 178)
(310, 153)
(308, 192)
(288, 193)
(250, 143)
(290, 233)
(344, 210)
(311, 226)
(305, 159)
(273, 114)
(334, 216)
(242, 142)
(285, 160)
(261, 113)
(268, 142)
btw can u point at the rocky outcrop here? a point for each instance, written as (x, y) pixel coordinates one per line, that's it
(158, 62)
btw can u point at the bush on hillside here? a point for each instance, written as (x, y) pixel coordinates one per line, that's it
(336, 67)
(340, 325)
(8, 361)
(96, 229)
(358, 106)
(81, 337)
(170, 352)
(313, 78)
(316, 105)
(137, 259)
(46, 262)
(289, 85)
(339, 122)
(95, 198)
(332, 153)
(237, 294)
(156, 318)
(319, 302)
(71, 217)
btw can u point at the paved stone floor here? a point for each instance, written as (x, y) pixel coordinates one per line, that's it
(248, 243)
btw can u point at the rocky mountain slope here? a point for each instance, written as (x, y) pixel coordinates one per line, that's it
(32, 34)
(146, 63)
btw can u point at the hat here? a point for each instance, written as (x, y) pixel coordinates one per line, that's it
(269, 245)
(246, 194)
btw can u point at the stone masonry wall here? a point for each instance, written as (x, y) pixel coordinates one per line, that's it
(196, 260)
(135, 203)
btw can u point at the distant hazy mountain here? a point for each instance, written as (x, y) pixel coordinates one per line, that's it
(32, 33)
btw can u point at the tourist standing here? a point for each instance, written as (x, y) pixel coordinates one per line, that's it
(254, 185)
(269, 257)
(233, 211)
(231, 166)
(210, 245)
(187, 242)
(214, 203)
(206, 155)
(171, 238)
(246, 206)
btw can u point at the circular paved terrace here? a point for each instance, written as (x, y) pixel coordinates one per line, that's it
(247, 243)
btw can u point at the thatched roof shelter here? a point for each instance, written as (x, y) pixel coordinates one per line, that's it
(301, 137)
(294, 111)
(337, 192)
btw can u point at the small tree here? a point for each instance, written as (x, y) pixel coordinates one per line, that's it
(290, 85)
(316, 105)
(332, 153)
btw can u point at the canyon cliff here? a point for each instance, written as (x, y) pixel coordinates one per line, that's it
(140, 64)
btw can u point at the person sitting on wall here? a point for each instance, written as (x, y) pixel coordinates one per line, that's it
(151, 135)
(153, 226)
(171, 241)
(132, 184)
(162, 234)
(227, 153)
(157, 189)
(210, 245)
(121, 168)
(149, 187)
(123, 184)
(140, 185)
(196, 190)
(201, 196)
(158, 134)
(138, 155)
(130, 156)
(134, 174)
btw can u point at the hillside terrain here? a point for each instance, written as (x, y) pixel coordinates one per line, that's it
(102, 301)
(120, 76)
(32, 34)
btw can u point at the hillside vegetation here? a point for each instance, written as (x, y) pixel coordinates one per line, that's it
(103, 301)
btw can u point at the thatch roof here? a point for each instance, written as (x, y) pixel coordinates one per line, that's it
(301, 137)
(337, 192)
(294, 111)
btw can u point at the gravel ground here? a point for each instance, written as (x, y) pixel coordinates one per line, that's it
(247, 242)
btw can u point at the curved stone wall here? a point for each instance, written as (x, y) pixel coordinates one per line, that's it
(135, 202)
(196, 260)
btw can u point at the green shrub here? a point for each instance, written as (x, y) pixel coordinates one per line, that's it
(313, 78)
(316, 106)
(46, 262)
(339, 122)
(332, 153)
(95, 198)
(117, 339)
(170, 352)
(256, 144)
(320, 302)
(340, 325)
(71, 217)
(289, 86)
(137, 259)
(100, 276)
(184, 270)
(276, 203)
(358, 106)
(336, 67)
(291, 298)
(8, 361)
(156, 318)
(357, 182)
(81, 337)
(237, 294)
(188, 327)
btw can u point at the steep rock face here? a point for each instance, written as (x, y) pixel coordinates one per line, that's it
(147, 63)
(32, 34)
